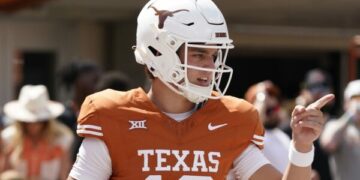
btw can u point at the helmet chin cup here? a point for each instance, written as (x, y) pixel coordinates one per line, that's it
(196, 93)
(164, 26)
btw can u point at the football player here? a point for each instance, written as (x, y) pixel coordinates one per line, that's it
(184, 127)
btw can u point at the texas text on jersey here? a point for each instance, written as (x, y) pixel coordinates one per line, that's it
(144, 143)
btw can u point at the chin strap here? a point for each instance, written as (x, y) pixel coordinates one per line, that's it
(200, 105)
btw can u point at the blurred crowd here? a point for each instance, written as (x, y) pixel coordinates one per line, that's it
(337, 152)
(39, 141)
(38, 135)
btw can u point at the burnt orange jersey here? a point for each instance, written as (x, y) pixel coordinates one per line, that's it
(144, 143)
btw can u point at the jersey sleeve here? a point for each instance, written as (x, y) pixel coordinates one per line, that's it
(89, 124)
(93, 161)
(246, 164)
(259, 132)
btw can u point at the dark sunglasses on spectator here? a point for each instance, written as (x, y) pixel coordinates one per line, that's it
(318, 85)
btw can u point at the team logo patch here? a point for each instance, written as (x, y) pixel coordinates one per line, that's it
(164, 14)
(137, 124)
(212, 127)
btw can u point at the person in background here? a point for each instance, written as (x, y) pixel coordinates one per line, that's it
(36, 145)
(11, 175)
(266, 98)
(1, 144)
(113, 80)
(80, 79)
(341, 137)
(2, 119)
(317, 83)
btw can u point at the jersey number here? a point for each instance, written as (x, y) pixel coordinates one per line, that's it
(185, 177)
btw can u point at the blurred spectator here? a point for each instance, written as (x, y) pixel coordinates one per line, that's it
(36, 145)
(80, 80)
(317, 84)
(11, 175)
(341, 138)
(114, 80)
(1, 145)
(2, 119)
(266, 98)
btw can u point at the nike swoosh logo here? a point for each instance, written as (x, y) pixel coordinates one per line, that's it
(211, 127)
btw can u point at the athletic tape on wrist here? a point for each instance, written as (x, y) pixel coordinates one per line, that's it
(300, 159)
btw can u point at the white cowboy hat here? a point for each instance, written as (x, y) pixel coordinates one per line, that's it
(33, 105)
(352, 89)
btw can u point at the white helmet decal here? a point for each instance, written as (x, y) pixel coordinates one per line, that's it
(163, 14)
(164, 26)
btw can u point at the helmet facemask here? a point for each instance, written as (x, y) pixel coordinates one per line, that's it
(181, 84)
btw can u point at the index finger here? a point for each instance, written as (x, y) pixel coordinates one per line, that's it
(321, 102)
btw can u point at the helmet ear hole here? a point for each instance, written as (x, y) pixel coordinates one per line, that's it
(155, 52)
(152, 71)
(176, 76)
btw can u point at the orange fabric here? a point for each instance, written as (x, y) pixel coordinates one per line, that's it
(142, 141)
(35, 155)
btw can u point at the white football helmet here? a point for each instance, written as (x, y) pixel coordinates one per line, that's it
(165, 25)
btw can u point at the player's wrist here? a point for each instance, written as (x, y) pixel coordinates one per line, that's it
(301, 155)
(302, 147)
